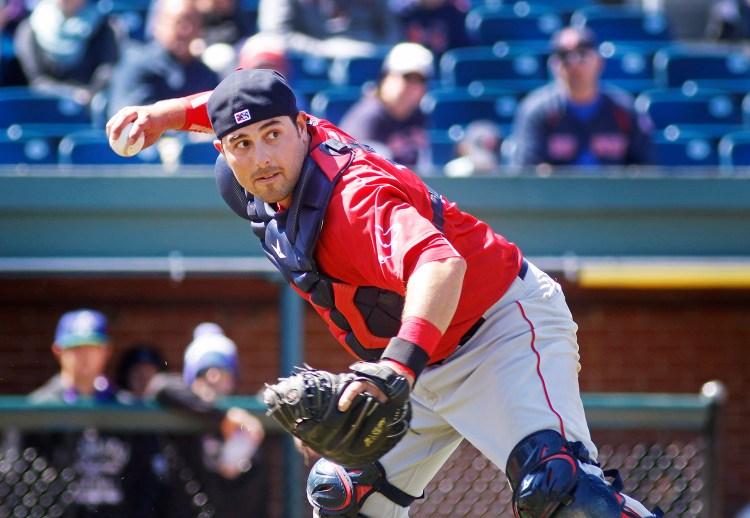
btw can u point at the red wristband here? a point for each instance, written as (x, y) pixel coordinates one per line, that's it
(196, 113)
(421, 332)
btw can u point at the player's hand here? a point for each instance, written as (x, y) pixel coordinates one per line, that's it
(152, 121)
(358, 387)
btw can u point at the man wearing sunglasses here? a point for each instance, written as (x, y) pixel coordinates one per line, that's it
(576, 120)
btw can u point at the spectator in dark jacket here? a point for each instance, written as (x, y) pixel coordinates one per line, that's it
(576, 120)
(389, 118)
(729, 20)
(165, 67)
(439, 25)
(67, 47)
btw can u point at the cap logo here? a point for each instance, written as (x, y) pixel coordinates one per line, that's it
(242, 116)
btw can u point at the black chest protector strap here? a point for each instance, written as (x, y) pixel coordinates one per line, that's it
(288, 239)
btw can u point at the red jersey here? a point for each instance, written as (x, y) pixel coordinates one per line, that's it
(378, 229)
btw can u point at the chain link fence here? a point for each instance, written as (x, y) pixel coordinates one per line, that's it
(672, 475)
(664, 446)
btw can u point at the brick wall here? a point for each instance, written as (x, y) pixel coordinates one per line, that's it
(630, 341)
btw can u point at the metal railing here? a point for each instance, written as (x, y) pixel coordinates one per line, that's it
(677, 471)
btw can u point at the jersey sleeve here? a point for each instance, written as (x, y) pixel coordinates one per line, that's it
(379, 235)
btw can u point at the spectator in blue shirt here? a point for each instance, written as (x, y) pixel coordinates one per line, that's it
(576, 120)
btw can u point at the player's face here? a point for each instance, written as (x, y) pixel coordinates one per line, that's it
(266, 157)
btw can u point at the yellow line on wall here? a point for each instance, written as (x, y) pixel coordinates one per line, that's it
(665, 275)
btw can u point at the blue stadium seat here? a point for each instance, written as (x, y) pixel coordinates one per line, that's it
(707, 65)
(449, 107)
(628, 67)
(734, 149)
(332, 103)
(442, 147)
(519, 23)
(356, 70)
(198, 153)
(501, 66)
(676, 147)
(625, 23)
(710, 111)
(92, 147)
(303, 67)
(34, 150)
(41, 112)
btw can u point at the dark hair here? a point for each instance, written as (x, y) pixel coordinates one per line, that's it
(135, 355)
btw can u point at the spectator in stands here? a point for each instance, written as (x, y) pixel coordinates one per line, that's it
(439, 25)
(389, 117)
(227, 465)
(167, 66)
(478, 150)
(137, 368)
(98, 473)
(67, 47)
(729, 20)
(265, 50)
(576, 120)
(332, 28)
(12, 12)
(225, 27)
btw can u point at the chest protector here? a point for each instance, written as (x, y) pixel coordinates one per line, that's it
(288, 239)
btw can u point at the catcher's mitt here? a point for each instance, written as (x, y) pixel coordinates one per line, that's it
(306, 404)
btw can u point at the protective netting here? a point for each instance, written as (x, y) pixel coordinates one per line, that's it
(671, 475)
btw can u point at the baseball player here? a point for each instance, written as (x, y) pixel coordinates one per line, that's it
(420, 291)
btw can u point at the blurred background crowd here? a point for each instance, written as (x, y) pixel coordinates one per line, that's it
(447, 87)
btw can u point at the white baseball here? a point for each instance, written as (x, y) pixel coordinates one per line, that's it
(120, 146)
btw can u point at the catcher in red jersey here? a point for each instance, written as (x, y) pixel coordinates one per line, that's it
(457, 335)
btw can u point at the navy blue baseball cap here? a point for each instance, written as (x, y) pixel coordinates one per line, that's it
(245, 97)
(81, 327)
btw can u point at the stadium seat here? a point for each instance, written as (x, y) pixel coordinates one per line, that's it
(707, 65)
(41, 112)
(625, 23)
(198, 153)
(449, 107)
(501, 66)
(520, 23)
(442, 147)
(356, 70)
(710, 111)
(676, 147)
(734, 149)
(627, 67)
(92, 147)
(33, 150)
(332, 103)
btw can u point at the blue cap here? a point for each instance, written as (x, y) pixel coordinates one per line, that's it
(81, 327)
(209, 348)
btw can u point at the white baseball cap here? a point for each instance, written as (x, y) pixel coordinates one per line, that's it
(409, 58)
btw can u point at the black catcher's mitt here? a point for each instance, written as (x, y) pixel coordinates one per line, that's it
(306, 404)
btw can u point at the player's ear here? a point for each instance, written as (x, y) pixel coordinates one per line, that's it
(301, 121)
(218, 146)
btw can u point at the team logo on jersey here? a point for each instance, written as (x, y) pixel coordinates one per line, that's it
(242, 116)
(384, 239)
